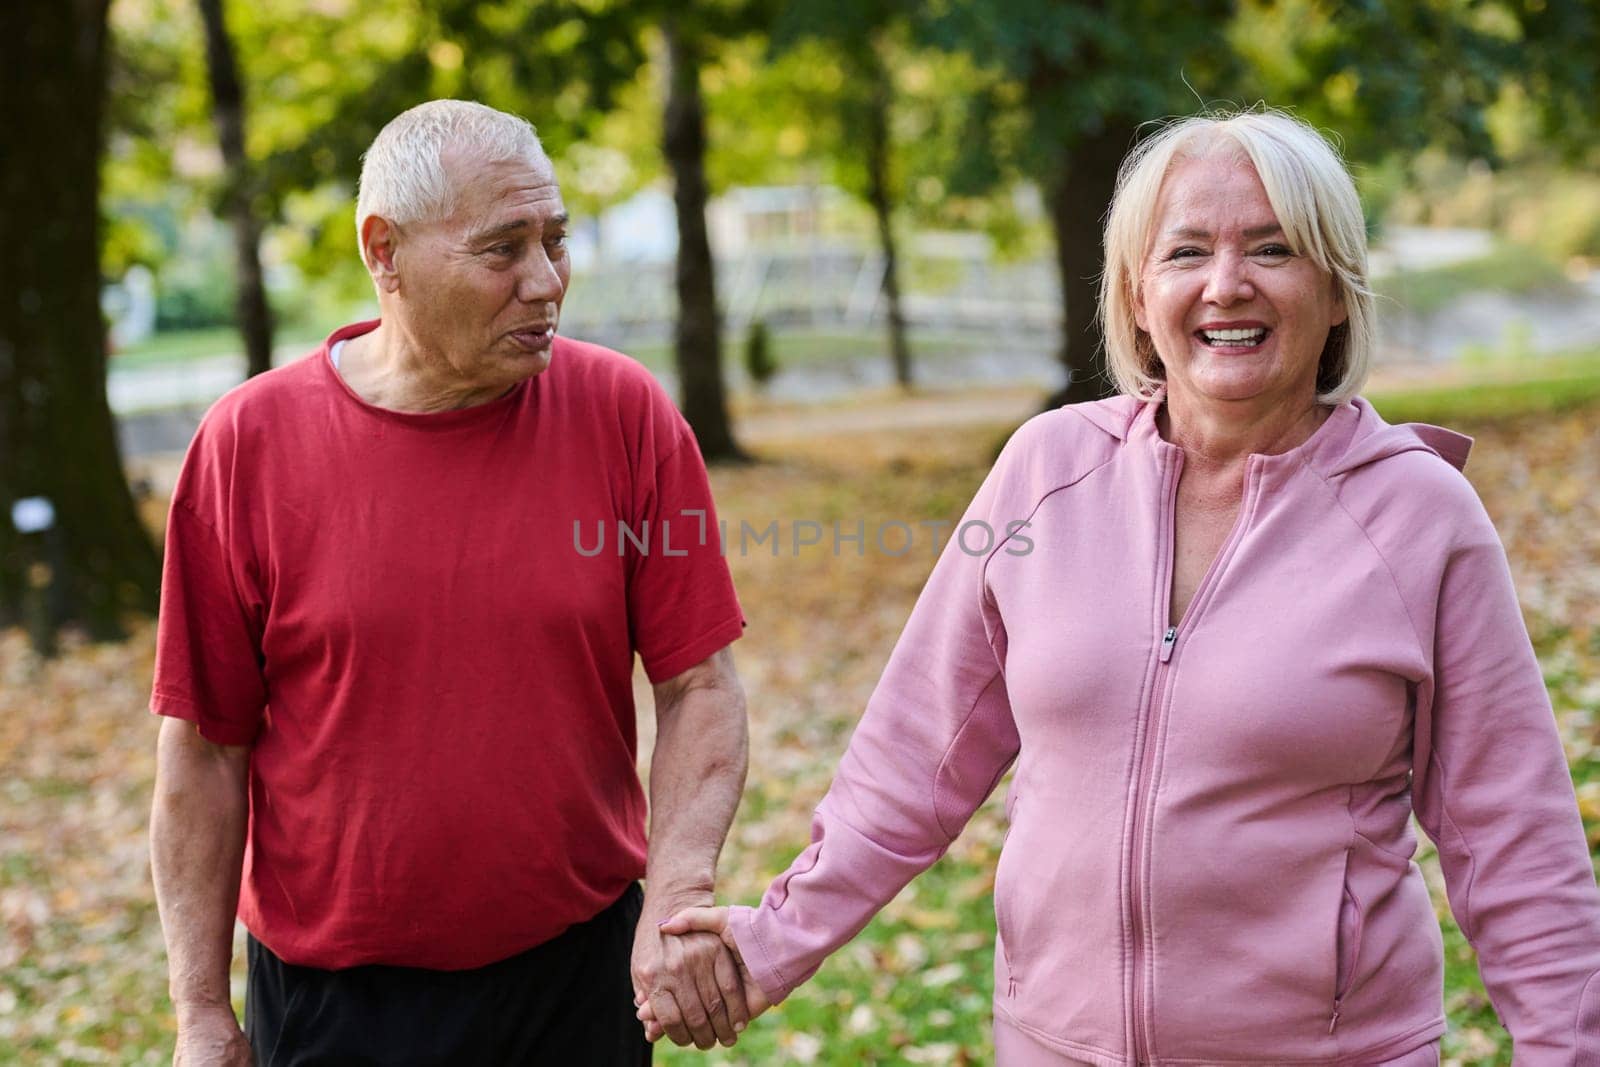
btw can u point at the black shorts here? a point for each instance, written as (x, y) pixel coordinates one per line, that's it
(567, 1001)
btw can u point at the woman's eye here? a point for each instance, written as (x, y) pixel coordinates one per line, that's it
(1184, 253)
(1276, 251)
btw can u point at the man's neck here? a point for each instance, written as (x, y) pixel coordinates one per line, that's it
(388, 370)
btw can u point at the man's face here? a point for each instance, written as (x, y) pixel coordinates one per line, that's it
(480, 291)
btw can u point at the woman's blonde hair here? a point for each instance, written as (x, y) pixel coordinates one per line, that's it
(1315, 201)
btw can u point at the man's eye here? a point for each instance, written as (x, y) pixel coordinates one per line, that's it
(558, 241)
(503, 249)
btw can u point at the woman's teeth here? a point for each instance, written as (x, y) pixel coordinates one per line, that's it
(1246, 338)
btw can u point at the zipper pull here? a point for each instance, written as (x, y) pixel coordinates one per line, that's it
(1335, 1020)
(1011, 986)
(1167, 642)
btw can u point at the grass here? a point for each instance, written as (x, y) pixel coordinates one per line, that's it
(1500, 390)
(1491, 401)
(183, 346)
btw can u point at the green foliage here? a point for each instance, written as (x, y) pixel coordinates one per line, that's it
(1402, 76)
(321, 79)
(157, 158)
(199, 300)
(833, 65)
(758, 361)
(1060, 73)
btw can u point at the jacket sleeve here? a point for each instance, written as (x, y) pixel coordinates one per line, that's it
(936, 736)
(1492, 788)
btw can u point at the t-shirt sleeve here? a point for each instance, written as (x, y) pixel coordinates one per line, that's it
(681, 603)
(208, 661)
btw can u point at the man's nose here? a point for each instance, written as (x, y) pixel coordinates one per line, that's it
(540, 281)
(1228, 281)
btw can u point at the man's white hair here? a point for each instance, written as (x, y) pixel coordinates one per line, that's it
(403, 176)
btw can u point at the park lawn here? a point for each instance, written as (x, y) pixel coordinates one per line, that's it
(1495, 390)
(82, 976)
(176, 347)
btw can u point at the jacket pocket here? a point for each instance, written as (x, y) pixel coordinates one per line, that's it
(1352, 918)
(1000, 907)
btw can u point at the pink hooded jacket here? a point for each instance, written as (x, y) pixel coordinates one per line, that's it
(1209, 853)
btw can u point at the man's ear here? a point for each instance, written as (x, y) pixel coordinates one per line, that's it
(380, 242)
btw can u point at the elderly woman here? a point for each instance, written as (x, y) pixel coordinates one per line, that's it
(1258, 629)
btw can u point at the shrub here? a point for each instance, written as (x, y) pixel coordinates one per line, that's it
(759, 361)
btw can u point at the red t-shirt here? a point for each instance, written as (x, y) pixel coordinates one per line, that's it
(405, 616)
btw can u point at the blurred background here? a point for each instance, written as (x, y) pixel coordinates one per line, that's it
(857, 239)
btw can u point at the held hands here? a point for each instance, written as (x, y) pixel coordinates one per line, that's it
(694, 924)
(689, 985)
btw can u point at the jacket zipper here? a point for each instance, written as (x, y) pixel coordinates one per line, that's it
(1141, 1041)
(1144, 798)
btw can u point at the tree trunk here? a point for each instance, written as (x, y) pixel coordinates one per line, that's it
(698, 336)
(878, 154)
(1079, 196)
(57, 437)
(227, 95)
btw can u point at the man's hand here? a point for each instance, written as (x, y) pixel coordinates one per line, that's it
(696, 776)
(689, 984)
(210, 1037)
(695, 923)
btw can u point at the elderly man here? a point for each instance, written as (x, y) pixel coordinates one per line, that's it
(399, 736)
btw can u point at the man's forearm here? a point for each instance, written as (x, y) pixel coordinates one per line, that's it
(697, 776)
(197, 829)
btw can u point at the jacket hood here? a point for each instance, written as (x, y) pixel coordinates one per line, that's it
(1353, 436)
(1375, 439)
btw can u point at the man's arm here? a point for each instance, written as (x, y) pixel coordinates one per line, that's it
(697, 776)
(197, 828)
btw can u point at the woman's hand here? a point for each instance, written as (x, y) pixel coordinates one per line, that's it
(711, 921)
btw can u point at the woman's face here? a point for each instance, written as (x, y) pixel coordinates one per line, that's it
(1233, 314)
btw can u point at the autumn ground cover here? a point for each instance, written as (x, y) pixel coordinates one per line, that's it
(82, 976)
